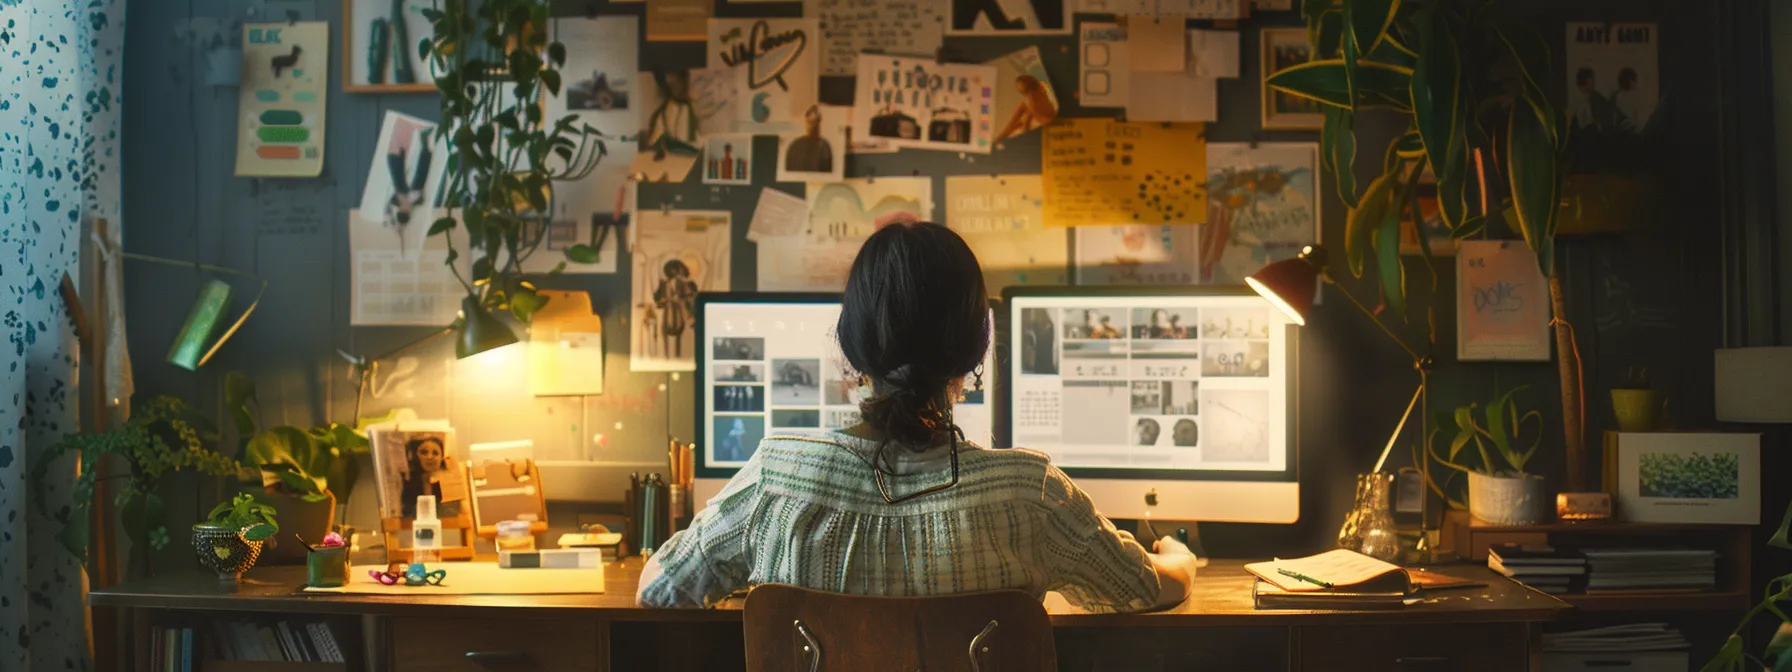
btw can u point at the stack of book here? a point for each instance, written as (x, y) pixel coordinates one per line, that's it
(1339, 579)
(283, 641)
(170, 649)
(1622, 569)
(1541, 567)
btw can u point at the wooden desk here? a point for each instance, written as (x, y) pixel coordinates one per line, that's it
(1490, 628)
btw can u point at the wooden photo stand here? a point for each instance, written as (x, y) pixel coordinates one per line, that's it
(396, 529)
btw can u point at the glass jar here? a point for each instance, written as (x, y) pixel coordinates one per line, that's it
(1369, 528)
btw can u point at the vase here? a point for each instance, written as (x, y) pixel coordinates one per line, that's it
(1504, 500)
(1369, 529)
(224, 550)
(1637, 410)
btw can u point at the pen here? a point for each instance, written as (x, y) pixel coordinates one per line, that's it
(1302, 577)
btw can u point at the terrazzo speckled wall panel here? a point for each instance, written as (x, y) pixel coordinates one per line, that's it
(59, 103)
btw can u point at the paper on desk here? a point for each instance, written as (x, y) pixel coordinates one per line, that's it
(778, 214)
(1157, 43)
(478, 578)
(1340, 567)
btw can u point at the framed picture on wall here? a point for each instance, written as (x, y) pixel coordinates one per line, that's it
(379, 46)
(1284, 48)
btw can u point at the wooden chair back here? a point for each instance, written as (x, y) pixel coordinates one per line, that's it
(790, 628)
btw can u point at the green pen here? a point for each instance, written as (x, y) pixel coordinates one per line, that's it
(1302, 577)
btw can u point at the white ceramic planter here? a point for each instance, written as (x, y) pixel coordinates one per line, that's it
(1507, 501)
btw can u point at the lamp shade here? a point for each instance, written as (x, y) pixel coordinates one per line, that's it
(1291, 284)
(480, 330)
(1754, 384)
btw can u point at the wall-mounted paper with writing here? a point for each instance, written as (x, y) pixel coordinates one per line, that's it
(921, 103)
(1101, 172)
(1104, 72)
(1002, 219)
(281, 102)
(393, 286)
(1613, 79)
(1193, 9)
(1502, 303)
(851, 27)
(778, 215)
(677, 255)
(775, 68)
(1026, 101)
(1260, 207)
(1009, 17)
(602, 88)
(1135, 255)
(840, 216)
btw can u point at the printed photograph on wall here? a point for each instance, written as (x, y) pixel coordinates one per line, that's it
(1260, 207)
(677, 254)
(924, 104)
(1613, 80)
(736, 438)
(817, 154)
(1025, 99)
(728, 159)
(400, 193)
(380, 40)
(1009, 17)
(1286, 48)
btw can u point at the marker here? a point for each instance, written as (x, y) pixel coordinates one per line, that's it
(1302, 577)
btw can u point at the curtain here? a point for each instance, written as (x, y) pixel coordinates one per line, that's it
(60, 97)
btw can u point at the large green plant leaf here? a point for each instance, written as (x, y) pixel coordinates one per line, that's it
(1351, 54)
(1728, 659)
(1324, 81)
(1365, 219)
(1783, 537)
(1338, 140)
(1536, 184)
(1388, 266)
(1438, 109)
(1533, 57)
(1369, 21)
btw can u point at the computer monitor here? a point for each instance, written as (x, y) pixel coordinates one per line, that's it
(1176, 403)
(770, 361)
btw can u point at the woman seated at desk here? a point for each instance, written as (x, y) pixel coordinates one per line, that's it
(900, 504)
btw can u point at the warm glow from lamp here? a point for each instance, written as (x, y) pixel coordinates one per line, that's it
(480, 330)
(1291, 284)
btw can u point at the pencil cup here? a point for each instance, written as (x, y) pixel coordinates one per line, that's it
(327, 566)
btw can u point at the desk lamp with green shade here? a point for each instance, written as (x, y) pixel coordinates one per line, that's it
(1291, 285)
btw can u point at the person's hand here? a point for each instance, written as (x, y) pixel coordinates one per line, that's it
(1170, 546)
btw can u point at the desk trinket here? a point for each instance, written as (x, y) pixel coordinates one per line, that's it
(326, 565)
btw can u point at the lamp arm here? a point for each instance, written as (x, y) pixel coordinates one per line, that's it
(1417, 359)
(364, 365)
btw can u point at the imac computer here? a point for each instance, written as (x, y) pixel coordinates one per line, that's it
(769, 362)
(1174, 403)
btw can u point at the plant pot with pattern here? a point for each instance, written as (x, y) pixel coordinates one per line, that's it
(230, 540)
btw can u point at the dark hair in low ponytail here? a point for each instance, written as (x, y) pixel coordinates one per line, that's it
(915, 318)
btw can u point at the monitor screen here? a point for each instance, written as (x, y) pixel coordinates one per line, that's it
(769, 362)
(1193, 383)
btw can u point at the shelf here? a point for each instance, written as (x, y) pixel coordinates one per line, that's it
(1664, 601)
(1605, 527)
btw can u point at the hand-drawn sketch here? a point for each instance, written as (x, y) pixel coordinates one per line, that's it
(677, 254)
(1260, 207)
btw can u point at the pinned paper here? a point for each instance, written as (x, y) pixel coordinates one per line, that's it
(817, 153)
(851, 27)
(1104, 69)
(778, 215)
(925, 104)
(678, 20)
(1260, 207)
(392, 285)
(1213, 53)
(1502, 303)
(1009, 17)
(603, 89)
(1100, 171)
(1157, 43)
(1173, 96)
(1025, 98)
(1002, 219)
(670, 134)
(774, 65)
(280, 118)
(1135, 255)
(677, 255)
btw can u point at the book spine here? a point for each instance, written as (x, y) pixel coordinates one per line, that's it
(170, 650)
(271, 643)
(302, 636)
(186, 650)
(320, 632)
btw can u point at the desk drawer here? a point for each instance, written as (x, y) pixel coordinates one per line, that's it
(1484, 647)
(510, 644)
(1172, 649)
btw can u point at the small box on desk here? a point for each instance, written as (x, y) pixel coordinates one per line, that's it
(1684, 477)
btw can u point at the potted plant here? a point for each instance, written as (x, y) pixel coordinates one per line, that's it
(1636, 405)
(1500, 492)
(230, 539)
(1473, 81)
(164, 435)
(494, 66)
(307, 474)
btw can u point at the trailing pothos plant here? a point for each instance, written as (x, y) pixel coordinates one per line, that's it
(1470, 80)
(494, 66)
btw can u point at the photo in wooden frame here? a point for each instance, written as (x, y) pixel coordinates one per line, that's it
(380, 52)
(1283, 48)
